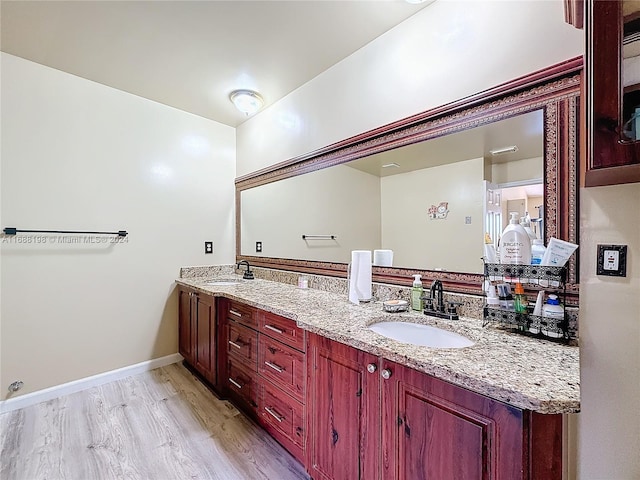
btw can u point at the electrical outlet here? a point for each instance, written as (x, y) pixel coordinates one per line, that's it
(467, 220)
(612, 260)
(208, 247)
(258, 247)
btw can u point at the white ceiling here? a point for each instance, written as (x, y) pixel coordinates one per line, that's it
(192, 54)
(524, 131)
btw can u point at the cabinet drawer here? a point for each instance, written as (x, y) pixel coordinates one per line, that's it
(283, 365)
(242, 343)
(282, 329)
(243, 387)
(242, 313)
(281, 415)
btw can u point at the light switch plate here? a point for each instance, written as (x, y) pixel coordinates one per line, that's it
(612, 260)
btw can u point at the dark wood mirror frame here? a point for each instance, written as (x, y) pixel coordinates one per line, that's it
(555, 89)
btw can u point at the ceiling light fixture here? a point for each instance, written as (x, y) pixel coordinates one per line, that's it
(387, 165)
(500, 151)
(247, 101)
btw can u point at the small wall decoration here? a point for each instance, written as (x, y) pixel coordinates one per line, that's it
(439, 212)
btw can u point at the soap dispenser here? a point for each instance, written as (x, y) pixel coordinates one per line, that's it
(416, 293)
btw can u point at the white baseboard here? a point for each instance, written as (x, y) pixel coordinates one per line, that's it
(84, 383)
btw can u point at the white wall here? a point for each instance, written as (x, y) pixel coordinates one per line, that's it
(79, 155)
(609, 421)
(518, 170)
(420, 242)
(445, 52)
(278, 214)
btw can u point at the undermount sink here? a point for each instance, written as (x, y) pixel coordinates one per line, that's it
(418, 334)
(222, 282)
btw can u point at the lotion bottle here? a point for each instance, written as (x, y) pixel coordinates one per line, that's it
(416, 293)
(515, 245)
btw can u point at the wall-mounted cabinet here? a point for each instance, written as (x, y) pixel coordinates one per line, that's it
(613, 85)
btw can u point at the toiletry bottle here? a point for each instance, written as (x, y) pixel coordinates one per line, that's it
(555, 311)
(515, 246)
(416, 293)
(537, 311)
(489, 250)
(525, 222)
(537, 252)
(519, 299)
(492, 297)
(504, 296)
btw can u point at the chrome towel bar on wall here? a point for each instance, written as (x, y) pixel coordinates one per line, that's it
(15, 231)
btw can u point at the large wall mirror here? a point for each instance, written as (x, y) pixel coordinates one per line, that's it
(429, 188)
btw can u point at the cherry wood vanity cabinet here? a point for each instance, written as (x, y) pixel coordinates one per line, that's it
(197, 332)
(282, 369)
(238, 356)
(370, 418)
(264, 367)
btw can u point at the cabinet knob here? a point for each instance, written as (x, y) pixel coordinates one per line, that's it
(371, 368)
(386, 374)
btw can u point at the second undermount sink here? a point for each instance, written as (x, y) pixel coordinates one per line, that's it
(418, 334)
(222, 282)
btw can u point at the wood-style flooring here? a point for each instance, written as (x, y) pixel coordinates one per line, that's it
(159, 425)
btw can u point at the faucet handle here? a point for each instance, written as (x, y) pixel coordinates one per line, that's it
(453, 307)
(428, 302)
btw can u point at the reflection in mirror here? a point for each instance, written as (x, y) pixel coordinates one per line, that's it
(631, 70)
(553, 94)
(427, 202)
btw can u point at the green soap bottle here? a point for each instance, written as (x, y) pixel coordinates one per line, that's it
(416, 293)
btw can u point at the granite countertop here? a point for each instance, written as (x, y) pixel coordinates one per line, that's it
(522, 371)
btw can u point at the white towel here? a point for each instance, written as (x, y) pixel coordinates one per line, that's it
(360, 276)
(383, 258)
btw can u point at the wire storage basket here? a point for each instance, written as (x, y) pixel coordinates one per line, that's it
(535, 278)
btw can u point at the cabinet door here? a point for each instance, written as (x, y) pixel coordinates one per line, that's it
(205, 337)
(185, 326)
(344, 406)
(614, 150)
(433, 430)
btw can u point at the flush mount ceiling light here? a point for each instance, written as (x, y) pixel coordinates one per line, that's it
(500, 151)
(390, 165)
(247, 101)
(415, 1)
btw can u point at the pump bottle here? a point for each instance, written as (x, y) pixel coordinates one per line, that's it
(515, 245)
(416, 293)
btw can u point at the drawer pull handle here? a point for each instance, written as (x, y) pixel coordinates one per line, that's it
(233, 312)
(274, 366)
(239, 346)
(232, 381)
(274, 329)
(274, 414)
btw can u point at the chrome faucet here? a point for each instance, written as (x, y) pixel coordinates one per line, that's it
(248, 274)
